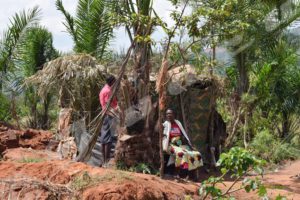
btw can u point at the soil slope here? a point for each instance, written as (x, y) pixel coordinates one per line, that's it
(42, 180)
(28, 171)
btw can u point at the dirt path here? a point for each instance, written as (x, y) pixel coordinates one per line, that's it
(286, 182)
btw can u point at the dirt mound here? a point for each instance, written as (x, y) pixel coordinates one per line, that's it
(11, 137)
(68, 178)
(29, 155)
(36, 173)
(29, 174)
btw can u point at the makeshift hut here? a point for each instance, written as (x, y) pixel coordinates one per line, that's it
(77, 79)
(193, 96)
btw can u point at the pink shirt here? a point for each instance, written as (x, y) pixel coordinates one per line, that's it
(104, 96)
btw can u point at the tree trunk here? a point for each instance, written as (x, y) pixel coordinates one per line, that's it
(161, 154)
(243, 80)
(1, 80)
(14, 110)
(45, 118)
(142, 69)
(279, 12)
(285, 125)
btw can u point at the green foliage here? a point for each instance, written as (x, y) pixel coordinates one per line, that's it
(5, 113)
(237, 162)
(208, 187)
(139, 168)
(84, 181)
(31, 160)
(277, 81)
(19, 23)
(91, 28)
(268, 147)
(32, 52)
(225, 19)
(188, 197)
(232, 76)
(121, 165)
(279, 197)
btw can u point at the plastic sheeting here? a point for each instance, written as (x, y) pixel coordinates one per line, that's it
(82, 137)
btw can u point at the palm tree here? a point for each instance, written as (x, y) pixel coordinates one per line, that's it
(90, 29)
(32, 52)
(277, 82)
(19, 23)
(15, 32)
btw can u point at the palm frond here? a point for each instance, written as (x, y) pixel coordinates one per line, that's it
(32, 52)
(90, 28)
(19, 23)
(291, 15)
(68, 71)
(69, 23)
(94, 28)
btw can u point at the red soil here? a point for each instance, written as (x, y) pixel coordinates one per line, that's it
(285, 182)
(110, 184)
(114, 184)
(11, 137)
(32, 173)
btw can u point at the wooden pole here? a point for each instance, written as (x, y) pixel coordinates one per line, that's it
(161, 90)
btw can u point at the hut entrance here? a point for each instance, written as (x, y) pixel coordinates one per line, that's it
(192, 97)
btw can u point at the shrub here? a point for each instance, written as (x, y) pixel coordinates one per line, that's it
(5, 113)
(238, 162)
(268, 147)
(285, 151)
(141, 168)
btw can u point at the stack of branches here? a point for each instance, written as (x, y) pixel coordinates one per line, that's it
(23, 186)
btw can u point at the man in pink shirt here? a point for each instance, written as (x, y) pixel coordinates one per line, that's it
(107, 130)
(106, 92)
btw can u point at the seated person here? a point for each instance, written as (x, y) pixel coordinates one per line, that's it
(177, 144)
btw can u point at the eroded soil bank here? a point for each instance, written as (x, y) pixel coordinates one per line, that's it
(30, 169)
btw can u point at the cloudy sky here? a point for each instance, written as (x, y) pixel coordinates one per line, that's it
(52, 20)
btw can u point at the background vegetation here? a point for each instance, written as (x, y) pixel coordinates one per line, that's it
(260, 82)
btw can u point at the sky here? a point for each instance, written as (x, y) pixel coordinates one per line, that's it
(52, 19)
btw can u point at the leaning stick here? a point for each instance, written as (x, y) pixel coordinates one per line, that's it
(85, 155)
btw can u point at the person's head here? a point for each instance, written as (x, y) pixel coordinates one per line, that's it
(170, 114)
(110, 80)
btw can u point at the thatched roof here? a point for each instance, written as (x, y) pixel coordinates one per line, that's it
(71, 69)
(187, 73)
(184, 76)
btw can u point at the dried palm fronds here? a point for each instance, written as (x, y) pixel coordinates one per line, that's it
(67, 71)
(161, 84)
